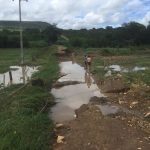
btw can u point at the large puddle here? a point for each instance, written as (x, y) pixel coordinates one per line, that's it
(117, 68)
(19, 75)
(71, 97)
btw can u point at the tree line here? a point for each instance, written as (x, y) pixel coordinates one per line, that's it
(31, 37)
(129, 34)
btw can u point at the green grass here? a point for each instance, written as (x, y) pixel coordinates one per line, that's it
(136, 77)
(125, 57)
(98, 68)
(9, 57)
(22, 125)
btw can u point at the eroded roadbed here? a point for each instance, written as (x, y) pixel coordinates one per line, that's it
(87, 120)
(93, 131)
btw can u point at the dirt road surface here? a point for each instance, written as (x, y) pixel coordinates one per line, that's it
(99, 124)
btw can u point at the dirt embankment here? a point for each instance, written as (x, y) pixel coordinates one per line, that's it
(91, 130)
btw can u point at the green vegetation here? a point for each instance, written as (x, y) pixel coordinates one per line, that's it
(31, 37)
(128, 62)
(129, 34)
(10, 57)
(125, 57)
(22, 126)
(22, 123)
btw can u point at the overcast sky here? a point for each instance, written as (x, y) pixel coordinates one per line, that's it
(77, 14)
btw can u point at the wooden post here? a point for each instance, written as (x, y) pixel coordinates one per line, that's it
(4, 80)
(10, 77)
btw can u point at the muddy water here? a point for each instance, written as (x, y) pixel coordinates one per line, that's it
(71, 97)
(117, 68)
(109, 109)
(17, 74)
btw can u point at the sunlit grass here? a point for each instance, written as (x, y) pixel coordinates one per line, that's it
(22, 124)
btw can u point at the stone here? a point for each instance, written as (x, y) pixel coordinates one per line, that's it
(121, 102)
(59, 125)
(60, 139)
(147, 115)
(133, 104)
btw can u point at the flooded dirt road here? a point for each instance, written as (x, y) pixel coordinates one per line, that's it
(71, 97)
(99, 125)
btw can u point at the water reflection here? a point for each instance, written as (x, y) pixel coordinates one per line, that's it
(73, 58)
(108, 109)
(116, 68)
(17, 75)
(71, 97)
(88, 79)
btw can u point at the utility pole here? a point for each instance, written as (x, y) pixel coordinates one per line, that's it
(21, 32)
(21, 41)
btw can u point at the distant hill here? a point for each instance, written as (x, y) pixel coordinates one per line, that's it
(26, 24)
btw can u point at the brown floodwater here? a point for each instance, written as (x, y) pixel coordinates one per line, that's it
(108, 109)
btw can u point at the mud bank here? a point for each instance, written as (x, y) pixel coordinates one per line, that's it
(94, 131)
(89, 120)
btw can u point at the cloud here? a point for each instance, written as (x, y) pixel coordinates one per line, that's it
(78, 14)
(146, 19)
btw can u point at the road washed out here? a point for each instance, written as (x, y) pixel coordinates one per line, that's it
(71, 97)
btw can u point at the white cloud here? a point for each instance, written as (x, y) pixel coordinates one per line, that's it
(146, 19)
(76, 14)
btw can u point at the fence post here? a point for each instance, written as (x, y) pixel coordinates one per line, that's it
(4, 80)
(10, 76)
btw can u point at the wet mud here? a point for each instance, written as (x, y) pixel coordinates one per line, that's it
(91, 121)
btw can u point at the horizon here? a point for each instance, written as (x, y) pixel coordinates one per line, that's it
(84, 14)
(72, 29)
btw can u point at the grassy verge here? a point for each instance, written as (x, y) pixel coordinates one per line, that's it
(10, 57)
(22, 124)
(125, 57)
